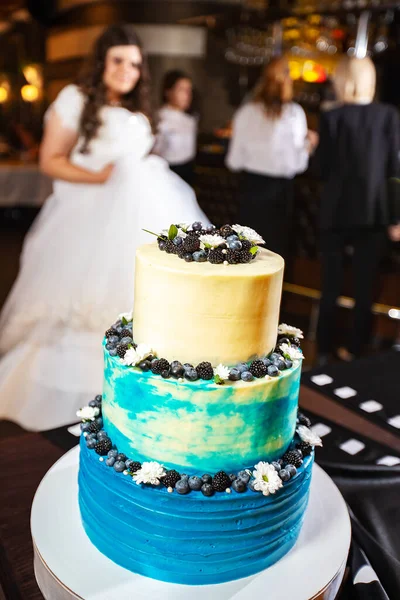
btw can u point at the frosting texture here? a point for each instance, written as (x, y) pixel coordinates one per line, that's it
(199, 425)
(188, 539)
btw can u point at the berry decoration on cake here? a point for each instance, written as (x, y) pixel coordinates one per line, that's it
(258, 369)
(159, 365)
(293, 457)
(205, 371)
(171, 478)
(305, 448)
(103, 446)
(221, 481)
(134, 466)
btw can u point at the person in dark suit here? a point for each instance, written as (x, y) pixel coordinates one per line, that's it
(359, 161)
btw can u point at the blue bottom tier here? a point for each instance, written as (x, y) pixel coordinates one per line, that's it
(188, 539)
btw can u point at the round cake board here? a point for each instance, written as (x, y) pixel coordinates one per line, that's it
(68, 566)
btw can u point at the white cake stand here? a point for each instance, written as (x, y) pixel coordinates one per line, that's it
(68, 566)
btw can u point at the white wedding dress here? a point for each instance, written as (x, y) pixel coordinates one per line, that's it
(77, 267)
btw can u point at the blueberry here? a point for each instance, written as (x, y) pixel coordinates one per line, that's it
(239, 486)
(90, 443)
(113, 352)
(275, 356)
(288, 363)
(200, 256)
(232, 238)
(166, 373)
(251, 485)
(177, 240)
(284, 340)
(195, 483)
(244, 476)
(182, 486)
(162, 244)
(110, 461)
(206, 478)
(273, 371)
(247, 376)
(207, 489)
(184, 476)
(232, 476)
(277, 466)
(113, 339)
(119, 466)
(144, 365)
(99, 422)
(295, 342)
(188, 257)
(187, 366)
(267, 362)
(85, 426)
(197, 226)
(280, 363)
(235, 245)
(119, 328)
(291, 469)
(242, 367)
(209, 228)
(102, 435)
(113, 453)
(126, 340)
(110, 346)
(284, 474)
(177, 369)
(98, 398)
(122, 457)
(91, 436)
(234, 374)
(191, 374)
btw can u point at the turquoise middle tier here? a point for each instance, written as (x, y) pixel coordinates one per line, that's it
(199, 425)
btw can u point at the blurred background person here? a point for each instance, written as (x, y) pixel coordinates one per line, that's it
(77, 262)
(270, 144)
(358, 154)
(176, 139)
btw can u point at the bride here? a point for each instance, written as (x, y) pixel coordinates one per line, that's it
(77, 264)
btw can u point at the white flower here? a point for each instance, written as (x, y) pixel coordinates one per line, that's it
(249, 234)
(182, 233)
(285, 329)
(291, 352)
(222, 372)
(307, 435)
(127, 316)
(267, 479)
(130, 357)
(212, 241)
(151, 472)
(88, 413)
(142, 352)
(184, 226)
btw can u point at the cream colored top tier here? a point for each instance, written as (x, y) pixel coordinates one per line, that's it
(199, 311)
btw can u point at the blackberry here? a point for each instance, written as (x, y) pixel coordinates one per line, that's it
(134, 467)
(244, 256)
(159, 365)
(121, 350)
(221, 481)
(103, 446)
(191, 243)
(295, 341)
(94, 427)
(181, 251)
(292, 457)
(126, 333)
(111, 331)
(233, 256)
(216, 256)
(205, 371)
(226, 231)
(305, 448)
(170, 247)
(258, 369)
(171, 478)
(246, 245)
(303, 420)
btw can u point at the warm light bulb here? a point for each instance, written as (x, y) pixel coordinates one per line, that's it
(3, 94)
(29, 93)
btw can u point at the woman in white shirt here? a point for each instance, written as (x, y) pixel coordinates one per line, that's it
(270, 144)
(177, 129)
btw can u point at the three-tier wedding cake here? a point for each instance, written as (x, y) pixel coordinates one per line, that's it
(195, 464)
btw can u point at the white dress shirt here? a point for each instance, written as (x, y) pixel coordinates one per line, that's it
(176, 138)
(269, 146)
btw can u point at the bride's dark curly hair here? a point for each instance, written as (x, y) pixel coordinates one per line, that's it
(91, 82)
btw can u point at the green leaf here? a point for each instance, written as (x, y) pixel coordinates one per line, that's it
(151, 232)
(218, 380)
(173, 232)
(254, 250)
(124, 321)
